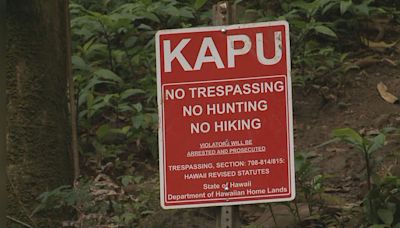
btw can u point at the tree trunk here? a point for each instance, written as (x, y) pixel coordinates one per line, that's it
(38, 131)
(3, 121)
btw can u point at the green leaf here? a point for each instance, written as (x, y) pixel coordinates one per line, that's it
(386, 216)
(186, 12)
(138, 179)
(349, 135)
(145, 27)
(100, 148)
(344, 6)
(391, 206)
(126, 129)
(151, 16)
(388, 130)
(325, 30)
(362, 9)
(95, 50)
(171, 10)
(130, 41)
(138, 121)
(199, 3)
(102, 131)
(106, 99)
(302, 5)
(125, 107)
(108, 75)
(397, 225)
(328, 6)
(130, 92)
(154, 117)
(128, 217)
(299, 161)
(89, 87)
(89, 100)
(78, 63)
(138, 107)
(126, 180)
(377, 143)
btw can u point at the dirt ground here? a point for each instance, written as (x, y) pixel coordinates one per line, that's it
(352, 102)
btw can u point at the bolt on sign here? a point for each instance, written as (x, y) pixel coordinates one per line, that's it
(225, 114)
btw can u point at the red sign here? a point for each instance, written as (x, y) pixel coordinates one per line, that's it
(225, 109)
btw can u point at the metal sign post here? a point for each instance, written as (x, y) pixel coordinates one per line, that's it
(224, 98)
(227, 216)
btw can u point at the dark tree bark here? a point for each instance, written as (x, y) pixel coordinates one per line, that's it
(38, 133)
(3, 121)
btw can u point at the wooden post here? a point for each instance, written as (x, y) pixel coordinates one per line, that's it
(227, 216)
(3, 118)
(224, 13)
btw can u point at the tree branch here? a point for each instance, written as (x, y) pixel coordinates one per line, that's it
(71, 87)
(19, 222)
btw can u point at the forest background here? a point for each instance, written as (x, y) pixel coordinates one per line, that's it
(115, 164)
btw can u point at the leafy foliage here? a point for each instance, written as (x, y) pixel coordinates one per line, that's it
(100, 202)
(114, 72)
(309, 181)
(114, 69)
(381, 204)
(321, 31)
(114, 60)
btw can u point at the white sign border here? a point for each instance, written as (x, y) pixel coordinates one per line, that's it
(289, 112)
